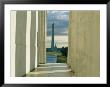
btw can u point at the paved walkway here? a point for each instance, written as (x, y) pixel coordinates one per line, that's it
(51, 70)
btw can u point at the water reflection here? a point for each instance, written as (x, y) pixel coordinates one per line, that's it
(51, 59)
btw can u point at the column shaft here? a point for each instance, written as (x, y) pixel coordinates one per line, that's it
(84, 43)
(41, 37)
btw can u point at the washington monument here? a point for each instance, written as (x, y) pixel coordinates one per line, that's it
(52, 42)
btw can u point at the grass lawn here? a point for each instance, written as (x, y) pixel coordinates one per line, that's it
(61, 59)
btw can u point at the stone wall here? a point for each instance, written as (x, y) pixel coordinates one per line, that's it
(84, 43)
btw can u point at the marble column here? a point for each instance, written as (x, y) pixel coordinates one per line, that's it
(33, 40)
(41, 37)
(13, 45)
(23, 42)
(28, 29)
(69, 42)
(36, 43)
(84, 43)
(20, 42)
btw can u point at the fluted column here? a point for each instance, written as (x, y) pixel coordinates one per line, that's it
(20, 42)
(69, 41)
(13, 45)
(28, 29)
(33, 40)
(41, 37)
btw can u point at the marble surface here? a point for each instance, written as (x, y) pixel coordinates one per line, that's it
(51, 70)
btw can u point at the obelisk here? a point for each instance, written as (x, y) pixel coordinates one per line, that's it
(52, 42)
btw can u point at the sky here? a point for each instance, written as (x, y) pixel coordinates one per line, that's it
(60, 19)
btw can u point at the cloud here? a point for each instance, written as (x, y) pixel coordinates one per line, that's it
(62, 17)
(58, 24)
(57, 12)
(57, 15)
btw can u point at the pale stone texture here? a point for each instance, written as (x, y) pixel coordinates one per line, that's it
(51, 70)
(41, 37)
(23, 42)
(20, 40)
(32, 40)
(13, 45)
(28, 28)
(84, 43)
(36, 43)
(69, 43)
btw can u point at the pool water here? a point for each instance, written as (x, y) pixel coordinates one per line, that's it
(51, 59)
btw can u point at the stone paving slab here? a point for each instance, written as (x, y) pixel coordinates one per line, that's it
(51, 70)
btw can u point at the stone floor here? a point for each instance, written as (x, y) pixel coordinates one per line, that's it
(51, 70)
